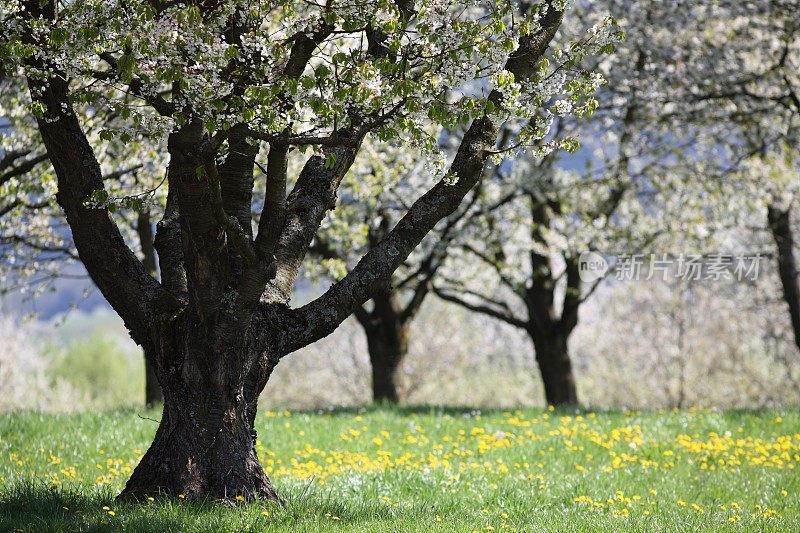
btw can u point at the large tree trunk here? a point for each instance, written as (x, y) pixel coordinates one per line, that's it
(387, 342)
(552, 356)
(203, 448)
(549, 328)
(204, 445)
(781, 228)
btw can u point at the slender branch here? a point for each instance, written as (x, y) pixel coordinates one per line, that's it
(482, 309)
(136, 86)
(21, 239)
(21, 168)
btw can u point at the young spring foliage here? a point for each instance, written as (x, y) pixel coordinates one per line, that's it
(206, 86)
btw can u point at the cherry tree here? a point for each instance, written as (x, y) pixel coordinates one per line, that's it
(381, 185)
(738, 79)
(632, 187)
(209, 85)
(675, 127)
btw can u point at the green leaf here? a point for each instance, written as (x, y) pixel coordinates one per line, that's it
(330, 161)
(125, 66)
(58, 36)
(231, 52)
(322, 72)
(607, 48)
(99, 196)
(38, 109)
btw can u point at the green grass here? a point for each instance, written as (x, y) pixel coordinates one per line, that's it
(424, 469)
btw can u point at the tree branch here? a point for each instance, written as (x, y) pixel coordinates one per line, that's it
(312, 196)
(22, 239)
(168, 244)
(136, 86)
(114, 268)
(19, 169)
(482, 309)
(373, 273)
(572, 296)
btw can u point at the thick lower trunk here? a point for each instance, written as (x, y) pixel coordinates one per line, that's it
(552, 356)
(205, 443)
(781, 228)
(152, 389)
(203, 448)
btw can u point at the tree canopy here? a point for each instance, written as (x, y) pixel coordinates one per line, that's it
(194, 92)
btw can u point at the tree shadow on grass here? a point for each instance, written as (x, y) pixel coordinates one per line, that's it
(436, 410)
(33, 506)
(456, 410)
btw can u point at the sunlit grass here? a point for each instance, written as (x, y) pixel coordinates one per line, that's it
(423, 469)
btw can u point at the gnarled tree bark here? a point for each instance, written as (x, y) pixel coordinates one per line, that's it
(205, 444)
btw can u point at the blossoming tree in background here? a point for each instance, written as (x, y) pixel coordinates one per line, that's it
(211, 84)
(38, 252)
(738, 78)
(627, 186)
(375, 194)
(379, 188)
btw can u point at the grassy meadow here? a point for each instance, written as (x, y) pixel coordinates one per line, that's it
(425, 469)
